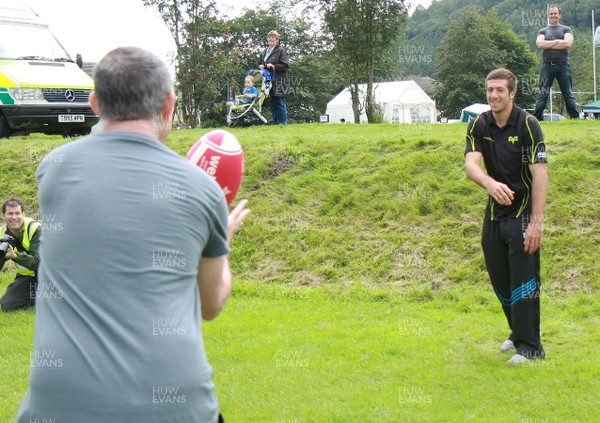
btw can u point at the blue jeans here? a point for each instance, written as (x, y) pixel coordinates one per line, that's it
(562, 73)
(279, 110)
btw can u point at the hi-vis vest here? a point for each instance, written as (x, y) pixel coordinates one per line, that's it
(29, 228)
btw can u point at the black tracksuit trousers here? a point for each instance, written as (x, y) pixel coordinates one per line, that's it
(515, 277)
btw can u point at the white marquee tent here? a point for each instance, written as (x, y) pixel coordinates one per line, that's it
(472, 111)
(401, 102)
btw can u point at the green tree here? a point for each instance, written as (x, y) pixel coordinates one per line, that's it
(427, 27)
(473, 46)
(200, 61)
(362, 31)
(214, 54)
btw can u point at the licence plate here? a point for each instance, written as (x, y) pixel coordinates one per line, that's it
(71, 118)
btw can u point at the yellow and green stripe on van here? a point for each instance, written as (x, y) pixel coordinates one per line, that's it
(5, 97)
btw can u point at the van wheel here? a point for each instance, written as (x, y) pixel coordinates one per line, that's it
(5, 130)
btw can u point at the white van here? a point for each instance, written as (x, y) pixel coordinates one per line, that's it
(41, 88)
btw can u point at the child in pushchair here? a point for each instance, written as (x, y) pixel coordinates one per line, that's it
(249, 95)
(239, 110)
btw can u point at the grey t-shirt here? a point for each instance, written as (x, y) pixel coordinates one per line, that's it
(118, 322)
(555, 33)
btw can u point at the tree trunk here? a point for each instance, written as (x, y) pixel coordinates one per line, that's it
(369, 109)
(355, 101)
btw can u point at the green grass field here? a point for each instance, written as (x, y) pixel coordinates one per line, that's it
(362, 293)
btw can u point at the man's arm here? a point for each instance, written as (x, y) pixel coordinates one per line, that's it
(533, 235)
(29, 259)
(250, 94)
(500, 192)
(215, 284)
(563, 44)
(214, 275)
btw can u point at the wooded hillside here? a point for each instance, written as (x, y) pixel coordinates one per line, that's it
(427, 27)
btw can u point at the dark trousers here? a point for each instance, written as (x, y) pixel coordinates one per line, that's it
(19, 294)
(562, 73)
(515, 277)
(279, 110)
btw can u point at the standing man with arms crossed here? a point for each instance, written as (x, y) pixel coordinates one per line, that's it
(511, 144)
(555, 40)
(25, 233)
(141, 258)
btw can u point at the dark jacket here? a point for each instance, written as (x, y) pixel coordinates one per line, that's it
(279, 75)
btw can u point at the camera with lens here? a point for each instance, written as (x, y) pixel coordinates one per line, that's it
(5, 242)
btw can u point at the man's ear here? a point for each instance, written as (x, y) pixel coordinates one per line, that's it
(169, 106)
(94, 103)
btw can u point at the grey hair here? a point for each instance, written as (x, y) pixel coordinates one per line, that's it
(131, 83)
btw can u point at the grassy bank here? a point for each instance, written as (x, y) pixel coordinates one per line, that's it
(378, 205)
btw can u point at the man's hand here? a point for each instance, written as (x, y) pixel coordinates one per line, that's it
(533, 237)
(236, 219)
(500, 192)
(10, 255)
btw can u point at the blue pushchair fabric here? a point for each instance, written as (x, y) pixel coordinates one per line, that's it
(264, 72)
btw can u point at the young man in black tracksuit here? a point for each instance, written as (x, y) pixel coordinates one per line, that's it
(511, 144)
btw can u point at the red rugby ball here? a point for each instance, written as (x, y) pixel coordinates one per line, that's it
(220, 154)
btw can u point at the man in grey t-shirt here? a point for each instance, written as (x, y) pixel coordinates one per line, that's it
(555, 40)
(138, 256)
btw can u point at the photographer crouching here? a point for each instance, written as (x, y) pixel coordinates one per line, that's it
(19, 242)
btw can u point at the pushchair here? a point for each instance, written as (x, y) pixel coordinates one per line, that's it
(251, 113)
